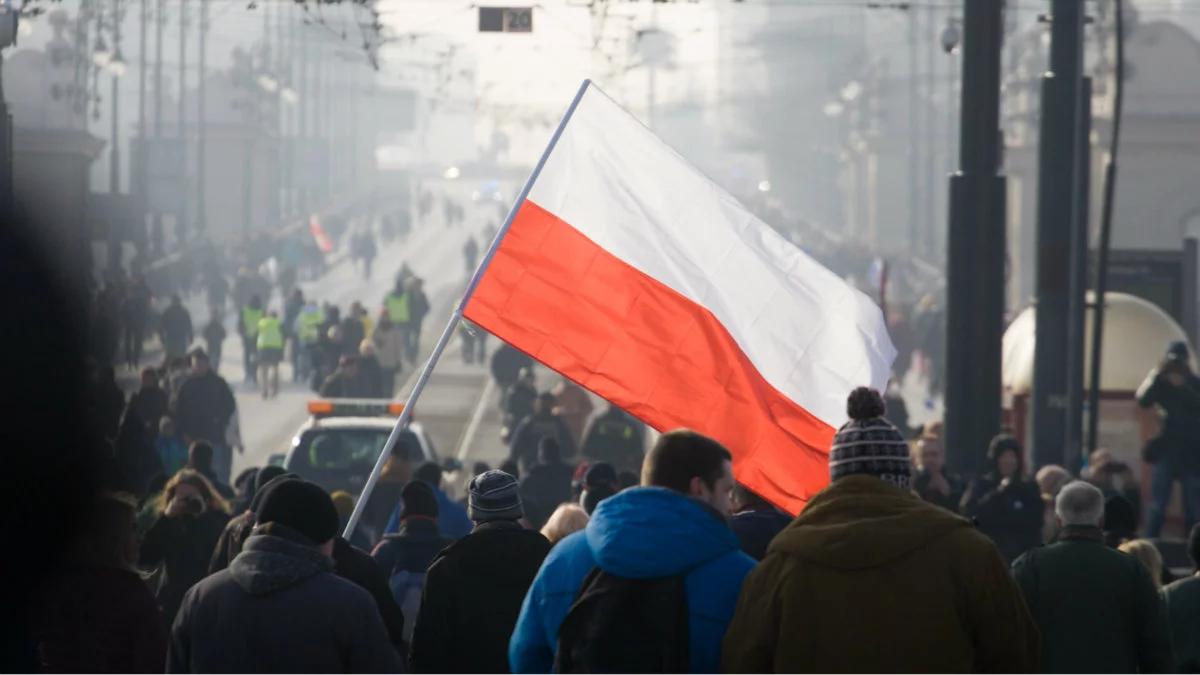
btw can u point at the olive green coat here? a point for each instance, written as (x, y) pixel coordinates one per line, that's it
(872, 579)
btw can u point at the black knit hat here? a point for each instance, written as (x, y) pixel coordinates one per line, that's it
(494, 496)
(419, 500)
(301, 506)
(868, 444)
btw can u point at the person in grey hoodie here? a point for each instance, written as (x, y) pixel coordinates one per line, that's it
(279, 607)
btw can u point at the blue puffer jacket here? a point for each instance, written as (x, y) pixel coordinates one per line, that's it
(641, 533)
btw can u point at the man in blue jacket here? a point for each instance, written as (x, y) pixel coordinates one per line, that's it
(676, 523)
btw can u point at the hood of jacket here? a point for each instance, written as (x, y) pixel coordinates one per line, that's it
(651, 532)
(276, 559)
(860, 522)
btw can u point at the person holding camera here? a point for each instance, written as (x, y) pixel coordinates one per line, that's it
(1174, 390)
(182, 539)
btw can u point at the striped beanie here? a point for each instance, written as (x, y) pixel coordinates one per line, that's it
(494, 496)
(868, 444)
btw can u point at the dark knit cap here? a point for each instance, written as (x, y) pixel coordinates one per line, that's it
(494, 496)
(419, 500)
(265, 475)
(592, 496)
(868, 444)
(301, 506)
(600, 473)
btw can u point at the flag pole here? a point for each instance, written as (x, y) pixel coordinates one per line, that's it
(455, 318)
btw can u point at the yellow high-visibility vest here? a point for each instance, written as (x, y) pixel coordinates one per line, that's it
(397, 308)
(270, 333)
(250, 319)
(310, 326)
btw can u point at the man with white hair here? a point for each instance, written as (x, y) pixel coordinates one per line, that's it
(1096, 608)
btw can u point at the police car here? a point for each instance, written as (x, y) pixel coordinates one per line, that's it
(338, 446)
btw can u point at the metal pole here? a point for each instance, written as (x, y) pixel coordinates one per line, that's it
(928, 143)
(160, 20)
(1058, 183)
(976, 247)
(427, 370)
(1110, 186)
(182, 225)
(140, 177)
(1073, 448)
(114, 151)
(914, 186)
(201, 125)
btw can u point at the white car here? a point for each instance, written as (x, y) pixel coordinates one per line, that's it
(338, 446)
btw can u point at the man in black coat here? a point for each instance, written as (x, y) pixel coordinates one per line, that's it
(203, 408)
(279, 608)
(546, 485)
(616, 437)
(1182, 600)
(474, 588)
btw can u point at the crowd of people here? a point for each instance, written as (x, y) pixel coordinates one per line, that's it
(568, 561)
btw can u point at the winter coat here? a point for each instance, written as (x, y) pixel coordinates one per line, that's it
(543, 488)
(507, 362)
(474, 589)
(617, 438)
(96, 619)
(640, 533)
(151, 404)
(869, 578)
(175, 328)
(389, 347)
(1011, 516)
(353, 333)
(453, 521)
(951, 502)
(1097, 608)
(341, 385)
(1182, 600)
(518, 402)
(279, 608)
(524, 445)
(137, 460)
(172, 454)
(184, 546)
(418, 306)
(357, 566)
(370, 377)
(232, 539)
(203, 408)
(756, 528)
(412, 548)
(1180, 408)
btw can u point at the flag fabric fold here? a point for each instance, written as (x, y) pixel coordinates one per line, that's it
(631, 273)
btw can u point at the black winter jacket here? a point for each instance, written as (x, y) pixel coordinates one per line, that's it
(279, 608)
(474, 591)
(183, 545)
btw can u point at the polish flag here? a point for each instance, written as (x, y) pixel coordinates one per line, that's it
(631, 273)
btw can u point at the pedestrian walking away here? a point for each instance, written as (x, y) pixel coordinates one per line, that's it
(929, 593)
(279, 608)
(475, 586)
(665, 543)
(1097, 609)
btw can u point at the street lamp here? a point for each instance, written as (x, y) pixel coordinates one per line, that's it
(833, 109)
(851, 91)
(116, 64)
(451, 173)
(268, 83)
(100, 54)
(289, 96)
(764, 186)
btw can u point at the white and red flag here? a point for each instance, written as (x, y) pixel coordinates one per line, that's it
(631, 273)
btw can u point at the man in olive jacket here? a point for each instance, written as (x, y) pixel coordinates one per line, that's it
(871, 579)
(1097, 608)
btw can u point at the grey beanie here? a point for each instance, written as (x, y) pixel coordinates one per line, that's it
(494, 496)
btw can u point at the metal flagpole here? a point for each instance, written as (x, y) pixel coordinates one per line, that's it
(427, 370)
